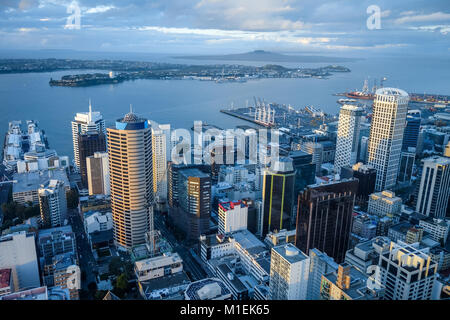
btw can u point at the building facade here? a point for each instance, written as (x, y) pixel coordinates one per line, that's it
(131, 179)
(347, 142)
(434, 189)
(289, 270)
(98, 174)
(84, 122)
(324, 217)
(386, 135)
(278, 196)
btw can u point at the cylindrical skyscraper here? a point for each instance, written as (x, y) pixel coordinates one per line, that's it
(131, 179)
(386, 135)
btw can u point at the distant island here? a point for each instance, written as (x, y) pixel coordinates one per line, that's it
(217, 73)
(267, 56)
(119, 71)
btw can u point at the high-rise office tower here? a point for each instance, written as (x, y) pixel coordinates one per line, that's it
(161, 147)
(412, 129)
(386, 135)
(347, 137)
(84, 122)
(193, 209)
(367, 176)
(278, 196)
(304, 171)
(53, 203)
(316, 150)
(289, 271)
(406, 165)
(97, 167)
(434, 189)
(89, 143)
(324, 217)
(407, 271)
(364, 145)
(232, 216)
(131, 179)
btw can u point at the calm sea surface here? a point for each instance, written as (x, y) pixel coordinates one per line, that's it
(180, 102)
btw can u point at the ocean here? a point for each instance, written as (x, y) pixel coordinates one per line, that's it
(181, 102)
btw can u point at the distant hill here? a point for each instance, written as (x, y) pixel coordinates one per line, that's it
(261, 55)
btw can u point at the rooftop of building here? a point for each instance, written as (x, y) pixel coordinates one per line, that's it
(193, 172)
(290, 253)
(158, 262)
(358, 282)
(207, 289)
(444, 161)
(46, 234)
(233, 279)
(401, 227)
(391, 92)
(31, 181)
(32, 294)
(5, 278)
(230, 205)
(63, 260)
(158, 288)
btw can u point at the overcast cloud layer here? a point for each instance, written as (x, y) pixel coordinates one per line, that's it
(213, 26)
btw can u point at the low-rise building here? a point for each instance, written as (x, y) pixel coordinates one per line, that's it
(348, 283)
(277, 238)
(6, 281)
(158, 267)
(208, 289)
(385, 203)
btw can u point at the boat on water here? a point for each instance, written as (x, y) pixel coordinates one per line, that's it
(345, 101)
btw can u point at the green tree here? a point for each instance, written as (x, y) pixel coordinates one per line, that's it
(122, 282)
(115, 266)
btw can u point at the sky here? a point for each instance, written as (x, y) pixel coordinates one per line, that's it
(336, 27)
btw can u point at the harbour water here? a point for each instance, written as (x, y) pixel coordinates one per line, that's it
(180, 102)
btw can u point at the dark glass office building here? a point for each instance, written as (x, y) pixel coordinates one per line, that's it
(278, 196)
(324, 217)
(89, 143)
(411, 134)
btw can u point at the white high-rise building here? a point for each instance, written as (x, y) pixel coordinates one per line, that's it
(98, 173)
(289, 270)
(347, 137)
(386, 135)
(434, 190)
(232, 217)
(53, 203)
(161, 150)
(84, 122)
(18, 252)
(407, 271)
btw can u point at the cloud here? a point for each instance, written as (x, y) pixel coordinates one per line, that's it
(99, 9)
(443, 29)
(436, 16)
(220, 36)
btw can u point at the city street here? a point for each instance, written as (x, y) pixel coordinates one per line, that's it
(87, 262)
(189, 262)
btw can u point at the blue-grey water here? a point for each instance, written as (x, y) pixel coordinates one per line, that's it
(180, 102)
